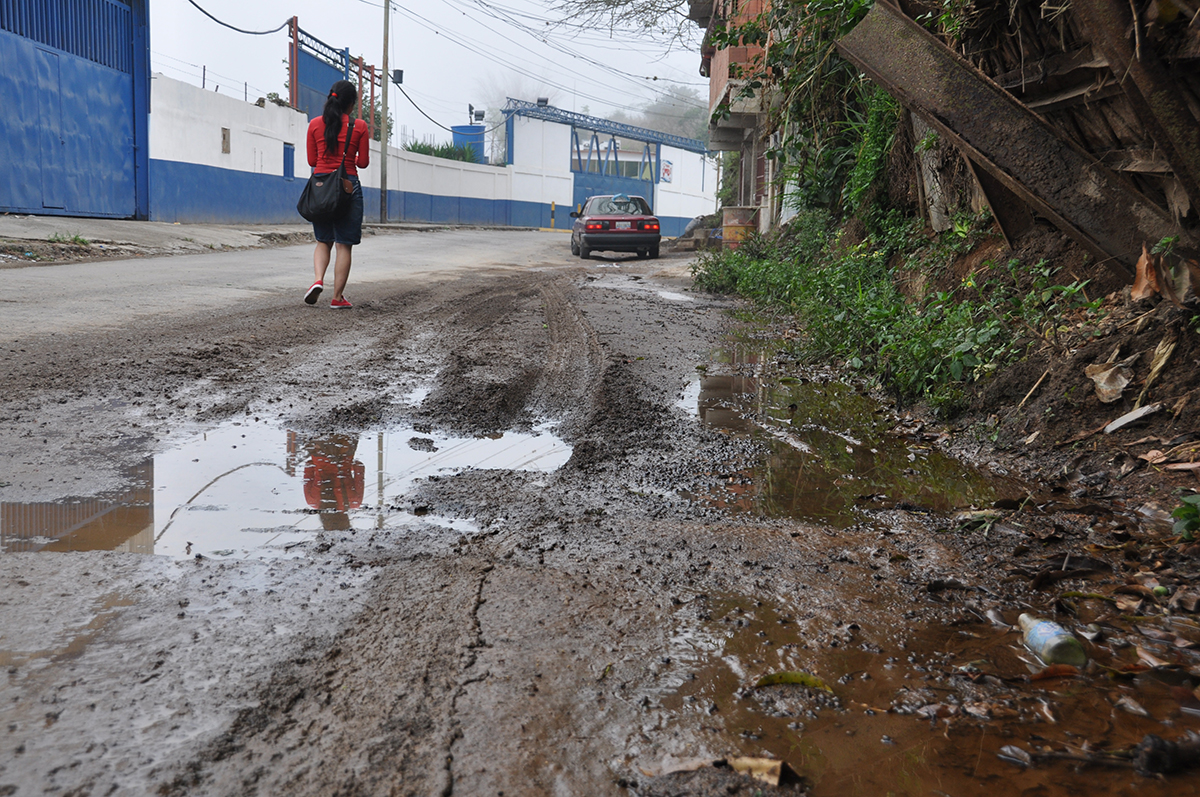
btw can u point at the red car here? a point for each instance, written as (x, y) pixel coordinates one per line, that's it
(618, 223)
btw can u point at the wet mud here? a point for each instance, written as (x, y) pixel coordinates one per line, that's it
(544, 532)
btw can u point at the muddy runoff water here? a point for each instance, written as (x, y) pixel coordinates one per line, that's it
(891, 695)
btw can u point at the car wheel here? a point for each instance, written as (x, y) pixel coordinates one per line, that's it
(654, 252)
(585, 251)
(574, 246)
(642, 254)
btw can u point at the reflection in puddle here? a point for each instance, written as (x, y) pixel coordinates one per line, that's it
(831, 450)
(248, 489)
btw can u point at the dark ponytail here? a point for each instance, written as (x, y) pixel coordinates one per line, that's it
(342, 96)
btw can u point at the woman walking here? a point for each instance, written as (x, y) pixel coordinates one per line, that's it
(331, 137)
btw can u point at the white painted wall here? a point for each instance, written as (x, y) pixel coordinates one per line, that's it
(425, 174)
(541, 168)
(186, 122)
(693, 187)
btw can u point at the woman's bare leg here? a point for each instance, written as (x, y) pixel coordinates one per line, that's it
(321, 261)
(341, 270)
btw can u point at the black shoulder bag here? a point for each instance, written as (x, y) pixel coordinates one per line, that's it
(326, 197)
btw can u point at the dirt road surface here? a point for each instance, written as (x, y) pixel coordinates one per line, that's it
(484, 534)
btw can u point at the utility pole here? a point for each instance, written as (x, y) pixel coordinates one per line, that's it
(384, 133)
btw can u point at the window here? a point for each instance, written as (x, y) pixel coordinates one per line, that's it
(225, 140)
(289, 161)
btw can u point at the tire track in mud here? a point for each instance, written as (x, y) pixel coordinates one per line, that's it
(575, 363)
(516, 353)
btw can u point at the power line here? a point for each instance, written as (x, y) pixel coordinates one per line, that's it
(499, 13)
(435, 121)
(239, 30)
(199, 66)
(477, 47)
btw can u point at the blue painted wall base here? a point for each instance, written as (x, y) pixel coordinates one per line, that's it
(191, 193)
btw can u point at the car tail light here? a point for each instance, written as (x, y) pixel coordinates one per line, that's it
(595, 225)
(650, 225)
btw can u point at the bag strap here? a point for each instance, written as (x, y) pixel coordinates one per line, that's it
(349, 132)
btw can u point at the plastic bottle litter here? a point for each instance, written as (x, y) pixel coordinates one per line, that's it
(1052, 643)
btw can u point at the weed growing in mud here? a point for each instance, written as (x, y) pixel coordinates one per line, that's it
(846, 299)
(77, 240)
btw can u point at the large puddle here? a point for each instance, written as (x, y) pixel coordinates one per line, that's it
(833, 454)
(901, 706)
(248, 489)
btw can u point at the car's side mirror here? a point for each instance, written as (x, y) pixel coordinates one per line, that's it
(574, 214)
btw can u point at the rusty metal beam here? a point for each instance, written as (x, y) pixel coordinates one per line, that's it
(1055, 177)
(1011, 214)
(1155, 97)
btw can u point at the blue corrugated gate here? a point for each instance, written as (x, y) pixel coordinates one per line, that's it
(74, 76)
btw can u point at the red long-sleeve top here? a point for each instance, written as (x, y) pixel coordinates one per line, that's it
(359, 156)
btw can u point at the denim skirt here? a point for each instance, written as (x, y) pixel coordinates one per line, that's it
(347, 229)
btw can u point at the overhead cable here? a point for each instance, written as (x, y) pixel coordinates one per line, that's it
(435, 121)
(239, 30)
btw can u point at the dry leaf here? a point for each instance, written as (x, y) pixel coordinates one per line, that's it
(764, 769)
(1150, 658)
(1132, 416)
(1055, 671)
(1162, 353)
(794, 677)
(1111, 378)
(1131, 706)
(1174, 282)
(1145, 283)
(1128, 604)
(1153, 456)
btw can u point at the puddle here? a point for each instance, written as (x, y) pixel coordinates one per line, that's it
(832, 453)
(915, 710)
(247, 489)
(672, 296)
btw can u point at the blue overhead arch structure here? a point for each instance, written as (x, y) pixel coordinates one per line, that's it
(595, 164)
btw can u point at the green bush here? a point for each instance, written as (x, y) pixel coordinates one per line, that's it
(447, 151)
(849, 308)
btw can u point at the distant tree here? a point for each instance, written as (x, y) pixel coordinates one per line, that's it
(377, 118)
(664, 20)
(678, 111)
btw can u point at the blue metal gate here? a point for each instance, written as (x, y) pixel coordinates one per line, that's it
(601, 168)
(74, 76)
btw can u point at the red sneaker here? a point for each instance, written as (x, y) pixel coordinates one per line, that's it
(310, 297)
(340, 303)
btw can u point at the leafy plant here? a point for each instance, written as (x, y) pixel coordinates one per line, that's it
(77, 240)
(928, 142)
(1187, 517)
(447, 151)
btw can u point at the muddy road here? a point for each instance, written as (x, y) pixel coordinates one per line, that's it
(517, 524)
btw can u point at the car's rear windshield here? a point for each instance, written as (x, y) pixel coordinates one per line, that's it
(619, 206)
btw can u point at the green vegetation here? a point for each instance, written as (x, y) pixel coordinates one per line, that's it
(846, 298)
(447, 151)
(864, 297)
(1187, 517)
(77, 240)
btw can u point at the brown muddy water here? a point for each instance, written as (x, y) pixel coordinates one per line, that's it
(935, 704)
(833, 455)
